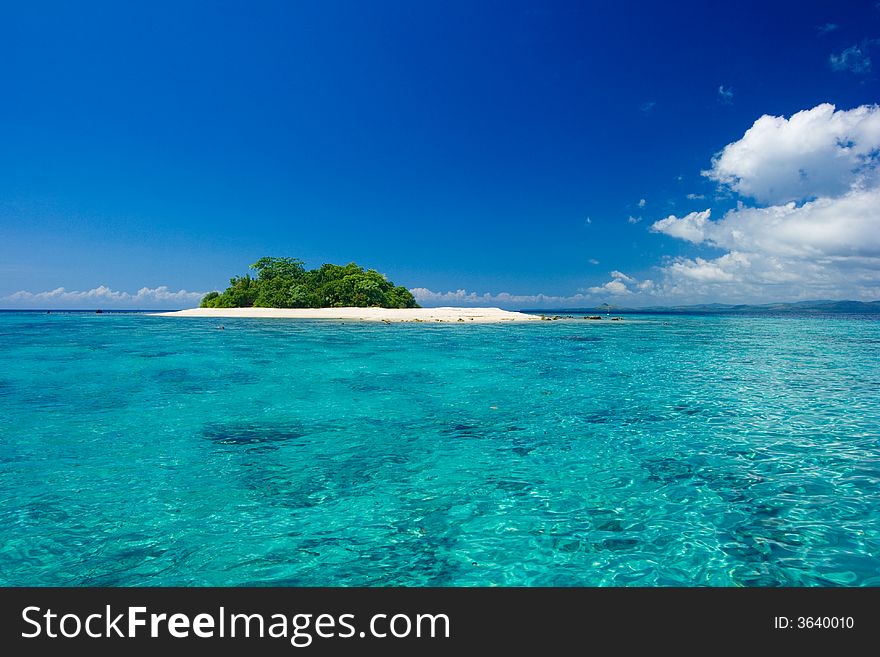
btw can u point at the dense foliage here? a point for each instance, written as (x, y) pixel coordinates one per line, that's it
(285, 283)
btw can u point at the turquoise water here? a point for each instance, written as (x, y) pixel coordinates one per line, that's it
(664, 450)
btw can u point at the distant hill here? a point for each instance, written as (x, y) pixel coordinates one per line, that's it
(800, 307)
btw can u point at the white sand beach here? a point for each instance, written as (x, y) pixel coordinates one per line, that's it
(448, 314)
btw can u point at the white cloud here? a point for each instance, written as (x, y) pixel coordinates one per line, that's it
(617, 286)
(633, 220)
(725, 95)
(428, 297)
(593, 261)
(828, 27)
(620, 284)
(695, 197)
(620, 276)
(642, 202)
(845, 226)
(818, 236)
(103, 297)
(719, 270)
(746, 278)
(816, 152)
(691, 227)
(611, 287)
(854, 58)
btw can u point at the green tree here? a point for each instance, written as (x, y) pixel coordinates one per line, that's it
(275, 293)
(400, 297)
(283, 268)
(285, 283)
(208, 299)
(241, 293)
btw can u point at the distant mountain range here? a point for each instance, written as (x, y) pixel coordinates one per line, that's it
(801, 307)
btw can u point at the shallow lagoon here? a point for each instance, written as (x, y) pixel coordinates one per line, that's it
(661, 450)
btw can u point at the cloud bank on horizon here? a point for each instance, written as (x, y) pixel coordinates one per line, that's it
(146, 298)
(806, 226)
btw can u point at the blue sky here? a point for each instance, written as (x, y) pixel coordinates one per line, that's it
(508, 149)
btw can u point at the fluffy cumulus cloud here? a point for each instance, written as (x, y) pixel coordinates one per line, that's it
(719, 270)
(816, 152)
(815, 229)
(146, 298)
(616, 286)
(845, 226)
(691, 227)
(622, 285)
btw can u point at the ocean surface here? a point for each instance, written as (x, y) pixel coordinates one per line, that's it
(659, 450)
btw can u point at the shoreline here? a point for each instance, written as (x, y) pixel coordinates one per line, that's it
(388, 315)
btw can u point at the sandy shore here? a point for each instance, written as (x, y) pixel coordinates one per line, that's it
(475, 315)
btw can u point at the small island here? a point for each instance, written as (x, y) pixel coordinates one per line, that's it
(284, 289)
(286, 283)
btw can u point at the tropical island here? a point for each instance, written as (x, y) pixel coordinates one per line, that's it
(283, 288)
(286, 283)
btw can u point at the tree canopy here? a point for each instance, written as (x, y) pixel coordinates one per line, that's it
(286, 283)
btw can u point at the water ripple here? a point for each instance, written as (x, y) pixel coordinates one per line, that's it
(726, 451)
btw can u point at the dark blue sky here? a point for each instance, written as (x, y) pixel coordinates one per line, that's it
(448, 144)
